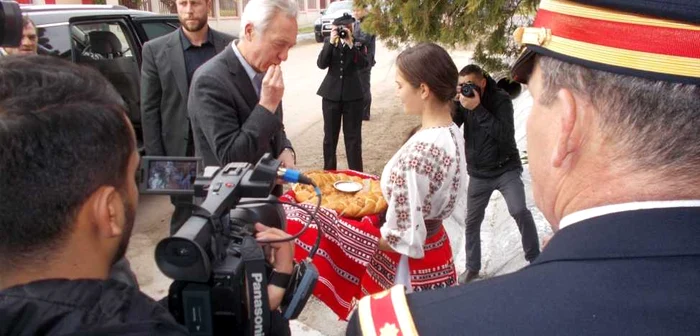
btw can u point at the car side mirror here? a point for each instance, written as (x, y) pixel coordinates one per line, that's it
(323, 12)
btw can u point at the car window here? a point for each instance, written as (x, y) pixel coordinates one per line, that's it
(109, 47)
(102, 40)
(55, 41)
(157, 29)
(341, 5)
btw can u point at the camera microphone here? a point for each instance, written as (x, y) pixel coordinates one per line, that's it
(293, 176)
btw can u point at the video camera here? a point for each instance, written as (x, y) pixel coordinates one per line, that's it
(10, 24)
(214, 255)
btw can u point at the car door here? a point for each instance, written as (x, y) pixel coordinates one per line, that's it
(110, 44)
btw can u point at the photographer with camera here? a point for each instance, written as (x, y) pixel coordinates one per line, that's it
(68, 193)
(342, 93)
(493, 162)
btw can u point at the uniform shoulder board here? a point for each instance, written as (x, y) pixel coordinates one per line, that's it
(386, 314)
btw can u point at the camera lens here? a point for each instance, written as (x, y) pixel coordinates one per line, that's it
(467, 90)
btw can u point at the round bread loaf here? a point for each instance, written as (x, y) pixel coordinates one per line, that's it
(368, 201)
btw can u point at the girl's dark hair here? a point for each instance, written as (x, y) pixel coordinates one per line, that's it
(430, 64)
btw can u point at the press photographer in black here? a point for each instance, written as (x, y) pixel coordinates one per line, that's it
(493, 162)
(68, 196)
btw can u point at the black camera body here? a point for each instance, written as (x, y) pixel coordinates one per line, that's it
(467, 89)
(220, 270)
(10, 24)
(343, 32)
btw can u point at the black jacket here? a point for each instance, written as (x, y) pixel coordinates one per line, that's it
(342, 82)
(627, 273)
(164, 91)
(82, 307)
(367, 43)
(489, 133)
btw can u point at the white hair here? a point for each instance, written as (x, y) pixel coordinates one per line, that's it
(261, 12)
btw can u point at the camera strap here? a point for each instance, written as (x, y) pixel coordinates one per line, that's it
(256, 284)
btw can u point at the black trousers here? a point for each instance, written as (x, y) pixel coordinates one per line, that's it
(365, 79)
(349, 113)
(479, 192)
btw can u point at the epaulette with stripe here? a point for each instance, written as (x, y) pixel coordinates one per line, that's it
(386, 314)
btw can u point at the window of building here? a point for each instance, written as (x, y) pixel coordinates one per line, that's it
(300, 3)
(228, 8)
(311, 4)
(323, 3)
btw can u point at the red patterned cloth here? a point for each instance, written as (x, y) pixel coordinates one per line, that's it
(348, 260)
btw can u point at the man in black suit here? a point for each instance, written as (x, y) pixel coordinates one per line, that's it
(614, 153)
(368, 41)
(168, 65)
(235, 102)
(342, 93)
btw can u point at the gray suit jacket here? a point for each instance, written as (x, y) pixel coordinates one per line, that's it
(227, 122)
(164, 93)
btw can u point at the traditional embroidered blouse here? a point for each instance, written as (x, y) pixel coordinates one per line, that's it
(421, 183)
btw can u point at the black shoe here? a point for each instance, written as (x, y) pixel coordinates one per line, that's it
(366, 118)
(468, 276)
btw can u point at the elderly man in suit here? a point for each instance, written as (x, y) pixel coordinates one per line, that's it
(614, 153)
(169, 63)
(235, 103)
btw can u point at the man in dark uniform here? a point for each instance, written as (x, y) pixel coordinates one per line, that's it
(342, 93)
(369, 43)
(614, 153)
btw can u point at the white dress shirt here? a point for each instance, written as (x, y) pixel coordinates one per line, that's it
(582, 215)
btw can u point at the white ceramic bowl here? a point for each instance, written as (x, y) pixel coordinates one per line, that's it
(348, 186)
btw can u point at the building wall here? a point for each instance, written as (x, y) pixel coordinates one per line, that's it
(67, 2)
(225, 15)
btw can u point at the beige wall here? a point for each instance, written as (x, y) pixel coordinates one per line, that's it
(231, 25)
(68, 2)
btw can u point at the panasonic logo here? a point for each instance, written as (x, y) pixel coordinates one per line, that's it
(257, 303)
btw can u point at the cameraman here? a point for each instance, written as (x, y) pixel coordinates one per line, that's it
(68, 196)
(493, 162)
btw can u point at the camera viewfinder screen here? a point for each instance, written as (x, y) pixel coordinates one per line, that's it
(171, 175)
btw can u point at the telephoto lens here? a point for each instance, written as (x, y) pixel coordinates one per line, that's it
(342, 32)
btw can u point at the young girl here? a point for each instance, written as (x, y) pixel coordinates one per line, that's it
(422, 180)
(420, 184)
